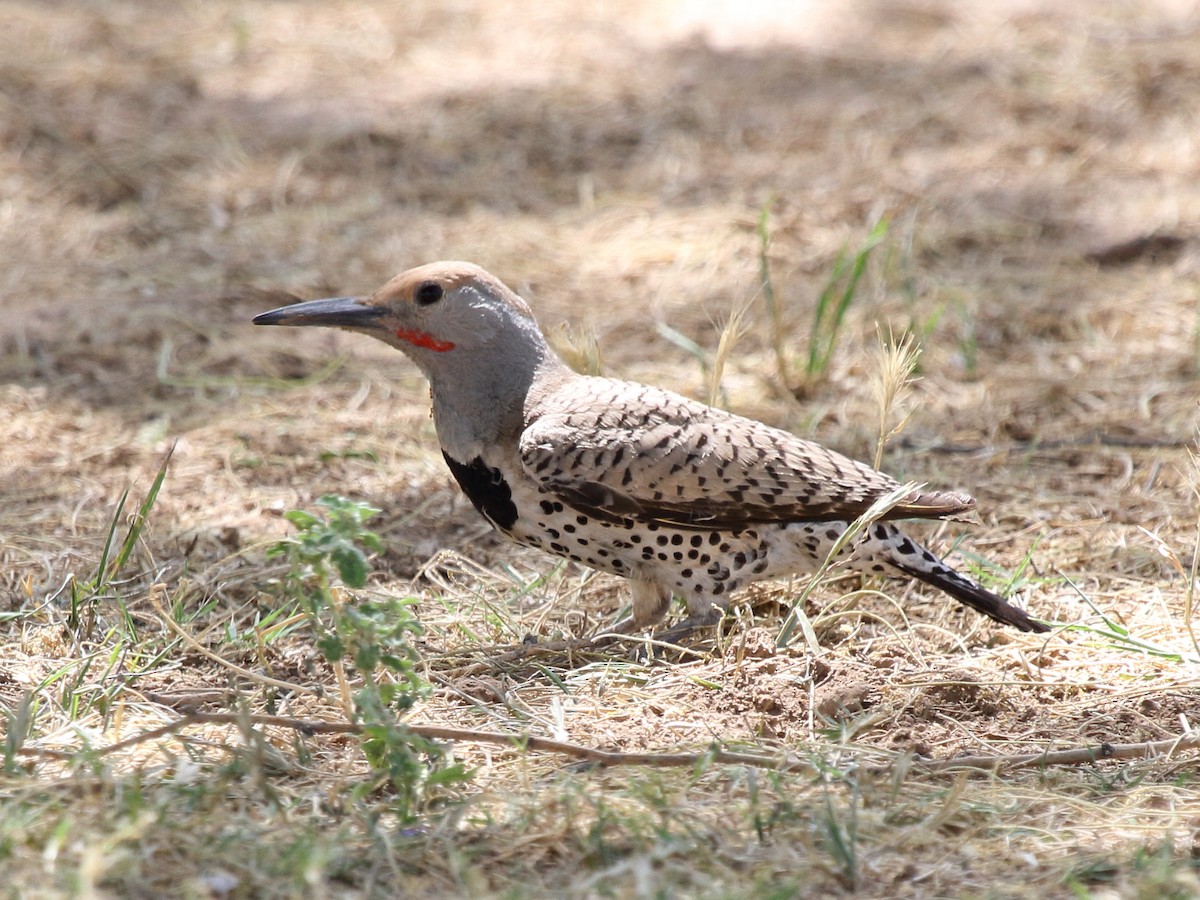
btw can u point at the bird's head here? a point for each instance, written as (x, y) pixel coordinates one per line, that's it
(439, 310)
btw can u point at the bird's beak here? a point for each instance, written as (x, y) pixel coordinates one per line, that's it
(336, 312)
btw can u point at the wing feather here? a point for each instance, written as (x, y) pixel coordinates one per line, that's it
(621, 451)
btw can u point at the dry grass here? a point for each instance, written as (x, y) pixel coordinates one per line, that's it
(171, 169)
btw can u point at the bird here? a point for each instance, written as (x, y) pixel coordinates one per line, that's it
(679, 498)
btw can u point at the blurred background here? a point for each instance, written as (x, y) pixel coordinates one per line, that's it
(167, 170)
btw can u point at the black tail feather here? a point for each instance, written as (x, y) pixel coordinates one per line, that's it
(979, 598)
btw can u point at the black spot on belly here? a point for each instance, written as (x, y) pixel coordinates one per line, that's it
(487, 490)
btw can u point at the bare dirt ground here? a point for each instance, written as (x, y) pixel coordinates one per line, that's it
(168, 170)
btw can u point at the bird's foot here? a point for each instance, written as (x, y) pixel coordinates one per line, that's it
(684, 628)
(668, 641)
(656, 644)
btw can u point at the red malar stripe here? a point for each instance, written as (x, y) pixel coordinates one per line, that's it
(423, 339)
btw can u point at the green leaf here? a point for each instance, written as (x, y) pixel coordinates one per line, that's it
(331, 646)
(454, 774)
(351, 565)
(366, 657)
(300, 518)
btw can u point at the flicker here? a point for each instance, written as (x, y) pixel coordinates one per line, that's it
(679, 498)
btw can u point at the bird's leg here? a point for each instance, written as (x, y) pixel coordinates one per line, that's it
(650, 603)
(701, 614)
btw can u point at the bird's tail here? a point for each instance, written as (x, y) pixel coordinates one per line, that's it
(884, 545)
(964, 590)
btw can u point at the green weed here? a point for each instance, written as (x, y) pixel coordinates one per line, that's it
(376, 637)
(770, 299)
(81, 618)
(840, 832)
(835, 301)
(829, 315)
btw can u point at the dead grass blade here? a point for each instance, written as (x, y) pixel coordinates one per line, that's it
(796, 617)
(891, 380)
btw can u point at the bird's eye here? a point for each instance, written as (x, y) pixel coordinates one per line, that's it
(428, 293)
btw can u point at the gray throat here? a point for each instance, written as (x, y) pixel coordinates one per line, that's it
(482, 408)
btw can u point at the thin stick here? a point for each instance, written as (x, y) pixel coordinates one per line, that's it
(715, 754)
(468, 735)
(1167, 747)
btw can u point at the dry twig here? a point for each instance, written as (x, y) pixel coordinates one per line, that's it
(714, 754)
(1076, 756)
